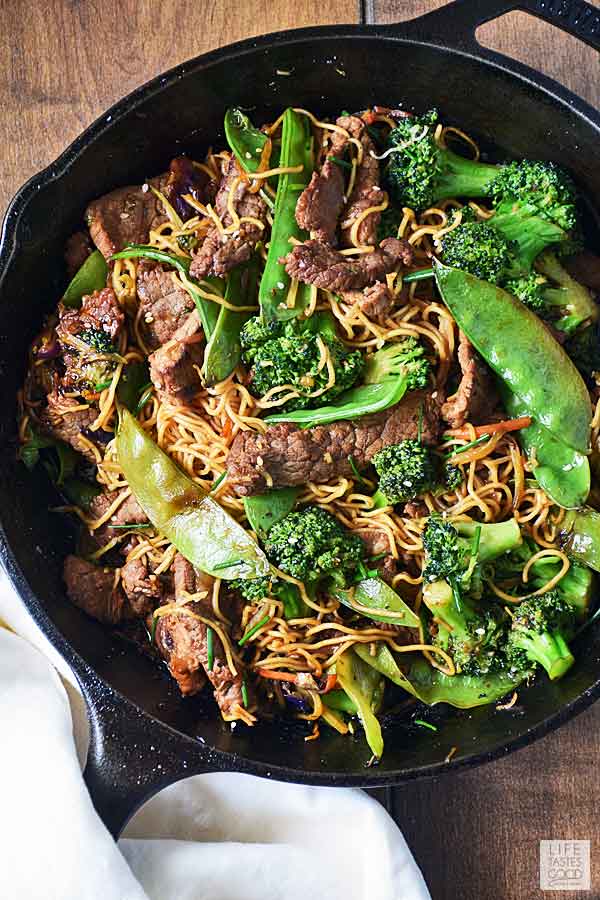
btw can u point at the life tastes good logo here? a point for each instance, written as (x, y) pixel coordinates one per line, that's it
(565, 866)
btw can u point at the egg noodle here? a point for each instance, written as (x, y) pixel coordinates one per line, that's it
(497, 481)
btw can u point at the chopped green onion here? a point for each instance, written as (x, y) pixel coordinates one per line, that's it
(146, 394)
(355, 470)
(253, 630)
(425, 724)
(456, 450)
(227, 564)
(377, 557)
(341, 162)
(476, 540)
(244, 693)
(153, 629)
(219, 481)
(103, 385)
(210, 653)
(420, 423)
(132, 526)
(418, 275)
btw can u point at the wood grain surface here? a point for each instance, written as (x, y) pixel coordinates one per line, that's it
(62, 62)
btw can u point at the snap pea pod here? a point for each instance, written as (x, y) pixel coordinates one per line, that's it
(296, 151)
(208, 310)
(264, 510)
(521, 350)
(562, 472)
(373, 594)
(132, 383)
(359, 401)
(247, 143)
(223, 350)
(362, 685)
(192, 520)
(431, 686)
(90, 277)
(580, 536)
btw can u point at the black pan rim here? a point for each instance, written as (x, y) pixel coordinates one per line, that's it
(9, 246)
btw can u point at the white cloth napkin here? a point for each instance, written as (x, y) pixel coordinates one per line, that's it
(210, 837)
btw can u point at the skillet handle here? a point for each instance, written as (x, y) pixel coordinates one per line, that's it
(456, 23)
(131, 756)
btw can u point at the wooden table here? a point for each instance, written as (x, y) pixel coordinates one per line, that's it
(63, 62)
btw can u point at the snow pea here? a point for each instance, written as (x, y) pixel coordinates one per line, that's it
(431, 686)
(208, 310)
(223, 350)
(246, 142)
(363, 686)
(90, 277)
(580, 536)
(358, 401)
(377, 595)
(264, 510)
(562, 472)
(191, 519)
(522, 352)
(132, 383)
(296, 150)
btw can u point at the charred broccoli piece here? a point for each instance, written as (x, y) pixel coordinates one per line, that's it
(289, 353)
(98, 340)
(311, 545)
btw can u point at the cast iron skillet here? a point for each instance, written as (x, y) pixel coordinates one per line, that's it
(143, 735)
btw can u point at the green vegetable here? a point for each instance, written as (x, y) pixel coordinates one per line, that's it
(462, 691)
(377, 595)
(281, 353)
(210, 653)
(341, 701)
(264, 510)
(246, 142)
(134, 381)
(540, 629)
(583, 348)
(361, 683)
(522, 352)
(192, 520)
(252, 631)
(79, 492)
(223, 350)
(542, 185)
(296, 150)
(98, 340)
(89, 278)
(402, 359)
(580, 536)
(406, 470)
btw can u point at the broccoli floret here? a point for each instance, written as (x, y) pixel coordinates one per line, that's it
(479, 249)
(555, 296)
(406, 470)
(187, 242)
(282, 353)
(420, 171)
(453, 549)
(529, 289)
(540, 630)
(452, 476)
(541, 185)
(98, 340)
(255, 589)
(473, 636)
(584, 349)
(389, 223)
(404, 358)
(311, 545)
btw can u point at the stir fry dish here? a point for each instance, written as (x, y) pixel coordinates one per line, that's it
(326, 405)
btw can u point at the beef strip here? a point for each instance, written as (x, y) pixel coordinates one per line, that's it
(93, 590)
(585, 268)
(316, 263)
(182, 641)
(125, 216)
(172, 366)
(99, 311)
(415, 509)
(293, 456)
(320, 203)
(128, 513)
(164, 306)
(143, 589)
(64, 419)
(476, 397)
(378, 542)
(219, 253)
(77, 250)
(186, 178)
(376, 301)
(365, 193)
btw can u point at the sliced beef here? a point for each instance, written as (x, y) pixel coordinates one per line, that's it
(143, 589)
(316, 263)
(164, 305)
(182, 641)
(291, 456)
(320, 203)
(378, 542)
(585, 268)
(219, 253)
(476, 397)
(365, 194)
(93, 590)
(99, 311)
(125, 216)
(376, 301)
(63, 419)
(186, 178)
(129, 512)
(77, 250)
(173, 366)
(415, 509)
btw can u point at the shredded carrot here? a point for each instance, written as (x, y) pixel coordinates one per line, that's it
(493, 428)
(227, 429)
(277, 676)
(329, 684)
